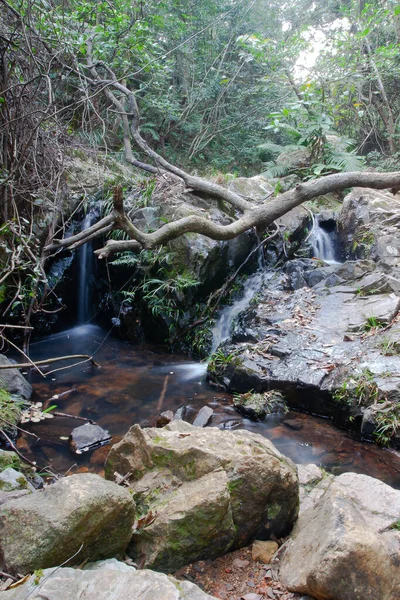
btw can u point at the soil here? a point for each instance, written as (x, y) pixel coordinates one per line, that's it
(236, 576)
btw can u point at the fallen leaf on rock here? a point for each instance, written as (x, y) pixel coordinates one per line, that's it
(145, 521)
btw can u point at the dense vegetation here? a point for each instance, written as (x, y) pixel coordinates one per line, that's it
(221, 86)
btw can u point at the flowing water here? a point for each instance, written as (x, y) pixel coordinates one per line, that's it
(323, 244)
(135, 383)
(86, 264)
(221, 330)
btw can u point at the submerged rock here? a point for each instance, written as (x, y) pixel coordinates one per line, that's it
(212, 491)
(106, 580)
(81, 516)
(346, 544)
(88, 437)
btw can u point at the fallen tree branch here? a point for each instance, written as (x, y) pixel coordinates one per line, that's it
(49, 361)
(260, 216)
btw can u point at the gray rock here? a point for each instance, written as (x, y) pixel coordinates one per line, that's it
(81, 515)
(88, 437)
(13, 382)
(107, 580)
(11, 480)
(345, 546)
(203, 417)
(212, 490)
(294, 158)
(255, 188)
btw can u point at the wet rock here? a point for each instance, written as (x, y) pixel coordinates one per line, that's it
(106, 580)
(48, 527)
(257, 406)
(164, 418)
(263, 551)
(350, 538)
(11, 480)
(203, 417)
(88, 437)
(13, 382)
(375, 310)
(180, 413)
(212, 490)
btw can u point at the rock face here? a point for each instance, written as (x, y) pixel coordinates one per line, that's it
(327, 335)
(346, 544)
(106, 580)
(210, 490)
(46, 528)
(13, 382)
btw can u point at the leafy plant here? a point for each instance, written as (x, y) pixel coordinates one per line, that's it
(219, 360)
(389, 347)
(308, 124)
(359, 389)
(388, 422)
(372, 323)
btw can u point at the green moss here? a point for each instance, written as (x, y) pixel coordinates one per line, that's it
(163, 460)
(273, 511)
(233, 484)
(10, 407)
(190, 469)
(38, 574)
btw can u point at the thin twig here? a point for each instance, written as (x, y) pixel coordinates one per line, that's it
(19, 428)
(15, 449)
(47, 362)
(67, 415)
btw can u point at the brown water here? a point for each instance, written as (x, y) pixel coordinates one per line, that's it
(135, 383)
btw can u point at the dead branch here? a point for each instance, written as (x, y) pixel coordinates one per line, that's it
(260, 216)
(49, 361)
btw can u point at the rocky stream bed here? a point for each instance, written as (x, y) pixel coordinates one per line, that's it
(228, 508)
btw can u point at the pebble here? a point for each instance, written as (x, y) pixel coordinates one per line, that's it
(240, 564)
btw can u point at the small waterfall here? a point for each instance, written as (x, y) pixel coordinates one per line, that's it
(322, 242)
(86, 264)
(222, 327)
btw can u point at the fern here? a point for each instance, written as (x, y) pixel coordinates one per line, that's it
(274, 170)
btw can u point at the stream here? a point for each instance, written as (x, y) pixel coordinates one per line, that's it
(128, 388)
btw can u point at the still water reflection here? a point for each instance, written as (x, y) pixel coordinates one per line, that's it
(135, 383)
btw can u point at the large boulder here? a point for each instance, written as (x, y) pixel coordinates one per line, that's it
(106, 580)
(13, 382)
(369, 225)
(79, 517)
(209, 491)
(346, 543)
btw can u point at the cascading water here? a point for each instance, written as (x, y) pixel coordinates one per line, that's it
(222, 327)
(86, 263)
(323, 244)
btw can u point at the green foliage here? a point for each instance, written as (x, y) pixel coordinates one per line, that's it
(360, 389)
(158, 285)
(219, 360)
(372, 323)
(10, 407)
(389, 347)
(387, 423)
(309, 126)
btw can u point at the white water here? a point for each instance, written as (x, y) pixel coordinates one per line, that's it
(85, 272)
(322, 244)
(222, 327)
